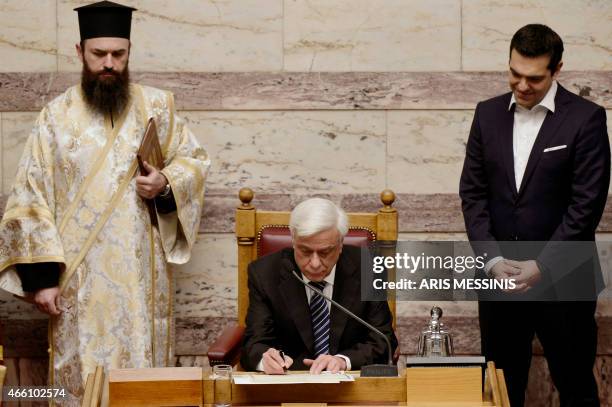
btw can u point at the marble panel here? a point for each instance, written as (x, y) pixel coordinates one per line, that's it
(206, 286)
(192, 361)
(604, 248)
(33, 372)
(603, 375)
(609, 128)
(301, 152)
(604, 303)
(542, 393)
(195, 334)
(1, 167)
(13, 308)
(306, 91)
(185, 36)
(432, 236)
(219, 211)
(604, 333)
(370, 202)
(12, 372)
(431, 213)
(28, 36)
(584, 26)
(407, 309)
(25, 337)
(420, 215)
(605, 224)
(540, 389)
(362, 35)
(16, 127)
(426, 150)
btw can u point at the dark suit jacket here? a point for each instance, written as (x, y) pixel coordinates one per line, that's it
(279, 315)
(563, 192)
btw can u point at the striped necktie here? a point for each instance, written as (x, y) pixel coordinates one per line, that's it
(320, 320)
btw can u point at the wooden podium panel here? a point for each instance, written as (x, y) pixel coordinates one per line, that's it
(443, 385)
(364, 390)
(162, 386)
(430, 386)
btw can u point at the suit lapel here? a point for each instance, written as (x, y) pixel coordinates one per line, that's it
(506, 127)
(346, 292)
(545, 135)
(294, 296)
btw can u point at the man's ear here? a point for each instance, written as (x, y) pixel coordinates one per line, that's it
(79, 50)
(557, 70)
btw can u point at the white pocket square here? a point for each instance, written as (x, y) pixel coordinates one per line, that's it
(555, 148)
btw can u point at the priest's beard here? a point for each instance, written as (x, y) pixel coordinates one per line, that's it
(106, 93)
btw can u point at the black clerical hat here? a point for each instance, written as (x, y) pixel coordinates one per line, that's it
(105, 19)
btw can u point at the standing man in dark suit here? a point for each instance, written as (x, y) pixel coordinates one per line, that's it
(537, 168)
(289, 326)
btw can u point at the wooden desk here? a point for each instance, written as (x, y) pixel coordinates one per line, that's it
(364, 390)
(433, 387)
(158, 386)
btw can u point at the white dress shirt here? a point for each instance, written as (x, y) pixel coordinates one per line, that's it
(328, 290)
(527, 124)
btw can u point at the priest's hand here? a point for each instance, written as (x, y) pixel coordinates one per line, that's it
(150, 185)
(330, 363)
(47, 300)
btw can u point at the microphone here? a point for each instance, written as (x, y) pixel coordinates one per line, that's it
(375, 370)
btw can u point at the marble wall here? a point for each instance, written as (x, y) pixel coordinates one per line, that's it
(341, 98)
(310, 35)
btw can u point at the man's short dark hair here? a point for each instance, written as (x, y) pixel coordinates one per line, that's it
(534, 40)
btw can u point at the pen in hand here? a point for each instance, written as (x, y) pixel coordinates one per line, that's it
(282, 355)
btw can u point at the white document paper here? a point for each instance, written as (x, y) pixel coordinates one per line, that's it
(297, 378)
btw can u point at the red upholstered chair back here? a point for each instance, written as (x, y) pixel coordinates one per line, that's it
(272, 238)
(260, 232)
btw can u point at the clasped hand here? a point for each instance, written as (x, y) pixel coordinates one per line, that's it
(525, 274)
(150, 185)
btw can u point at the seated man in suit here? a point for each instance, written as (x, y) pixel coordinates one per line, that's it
(290, 326)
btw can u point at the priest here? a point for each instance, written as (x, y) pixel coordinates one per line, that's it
(77, 238)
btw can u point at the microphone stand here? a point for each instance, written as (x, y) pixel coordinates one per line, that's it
(375, 370)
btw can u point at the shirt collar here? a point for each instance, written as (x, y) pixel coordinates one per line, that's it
(548, 102)
(329, 279)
